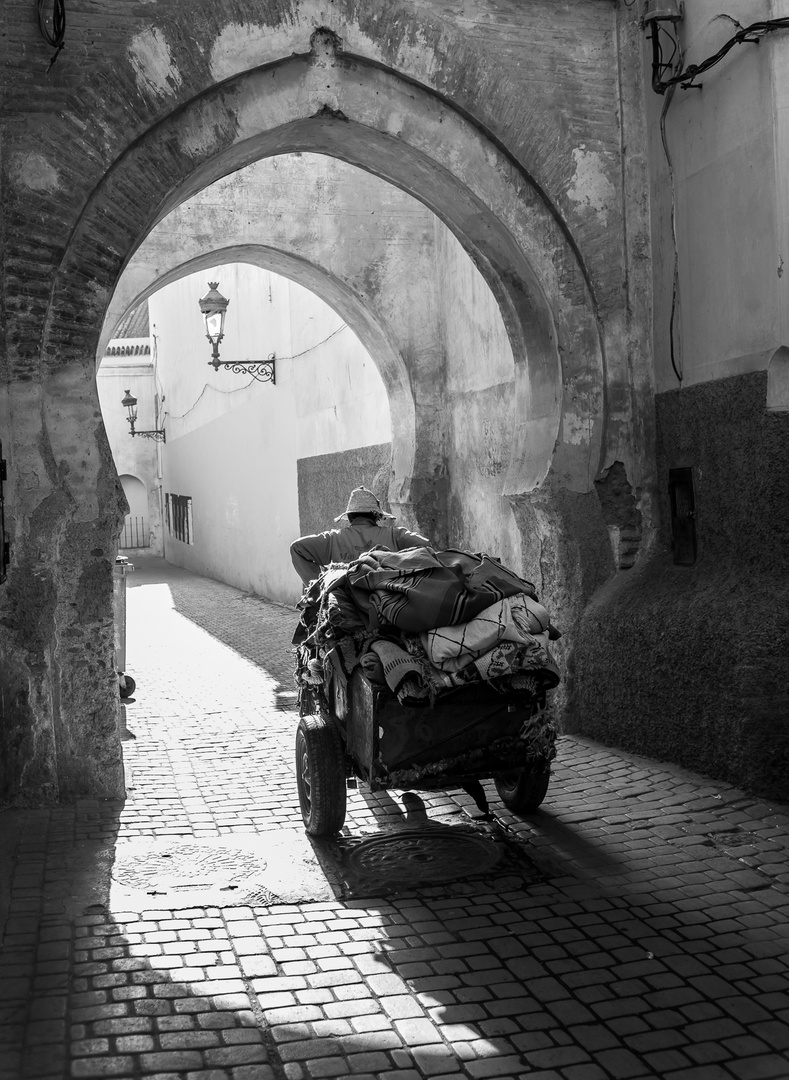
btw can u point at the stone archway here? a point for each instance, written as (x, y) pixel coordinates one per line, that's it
(325, 102)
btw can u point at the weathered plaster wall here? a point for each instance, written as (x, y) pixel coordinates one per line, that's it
(149, 104)
(480, 406)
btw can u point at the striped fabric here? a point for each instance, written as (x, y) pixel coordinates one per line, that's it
(420, 589)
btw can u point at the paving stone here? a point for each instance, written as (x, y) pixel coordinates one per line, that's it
(672, 961)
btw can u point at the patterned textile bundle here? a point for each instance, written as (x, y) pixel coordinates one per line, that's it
(420, 589)
(397, 664)
(438, 681)
(425, 622)
(516, 618)
(403, 674)
(509, 658)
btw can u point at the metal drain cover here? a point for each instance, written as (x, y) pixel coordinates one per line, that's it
(419, 855)
(429, 860)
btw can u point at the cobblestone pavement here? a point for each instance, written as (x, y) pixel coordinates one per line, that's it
(634, 928)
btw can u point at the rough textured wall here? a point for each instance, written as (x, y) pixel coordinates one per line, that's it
(691, 663)
(326, 481)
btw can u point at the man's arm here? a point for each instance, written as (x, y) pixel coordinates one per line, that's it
(406, 539)
(309, 554)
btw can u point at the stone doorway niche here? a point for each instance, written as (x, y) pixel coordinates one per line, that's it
(364, 114)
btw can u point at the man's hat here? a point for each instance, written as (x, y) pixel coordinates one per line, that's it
(362, 501)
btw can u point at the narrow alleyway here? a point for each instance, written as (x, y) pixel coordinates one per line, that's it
(635, 928)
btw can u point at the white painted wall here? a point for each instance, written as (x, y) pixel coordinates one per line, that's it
(729, 145)
(233, 443)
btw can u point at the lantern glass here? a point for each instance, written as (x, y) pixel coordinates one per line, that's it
(129, 402)
(214, 326)
(213, 306)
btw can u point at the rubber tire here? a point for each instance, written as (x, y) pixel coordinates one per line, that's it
(523, 789)
(320, 776)
(129, 686)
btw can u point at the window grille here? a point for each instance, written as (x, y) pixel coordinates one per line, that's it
(181, 509)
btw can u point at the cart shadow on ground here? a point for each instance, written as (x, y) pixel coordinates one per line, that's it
(400, 843)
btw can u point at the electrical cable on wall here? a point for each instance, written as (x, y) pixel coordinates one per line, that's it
(686, 77)
(676, 363)
(53, 27)
(238, 389)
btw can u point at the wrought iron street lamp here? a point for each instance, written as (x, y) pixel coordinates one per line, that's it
(214, 306)
(130, 404)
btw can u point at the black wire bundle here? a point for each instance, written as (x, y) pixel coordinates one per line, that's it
(53, 29)
(686, 78)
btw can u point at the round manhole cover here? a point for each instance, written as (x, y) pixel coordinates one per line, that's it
(423, 855)
(187, 866)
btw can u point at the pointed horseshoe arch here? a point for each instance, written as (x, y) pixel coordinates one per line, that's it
(326, 102)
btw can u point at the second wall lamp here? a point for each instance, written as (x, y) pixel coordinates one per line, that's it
(130, 404)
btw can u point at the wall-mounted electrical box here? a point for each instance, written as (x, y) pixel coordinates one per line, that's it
(683, 516)
(663, 11)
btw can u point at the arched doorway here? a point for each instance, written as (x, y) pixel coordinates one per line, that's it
(135, 525)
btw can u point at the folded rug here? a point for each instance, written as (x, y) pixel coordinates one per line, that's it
(516, 618)
(397, 664)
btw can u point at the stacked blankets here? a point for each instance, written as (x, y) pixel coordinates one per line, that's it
(424, 622)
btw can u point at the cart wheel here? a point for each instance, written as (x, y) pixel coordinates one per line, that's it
(320, 775)
(127, 686)
(523, 789)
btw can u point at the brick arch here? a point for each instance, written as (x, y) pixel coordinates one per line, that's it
(366, 115)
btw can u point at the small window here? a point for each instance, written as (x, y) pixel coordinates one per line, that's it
(683, 516)
(181, 509)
